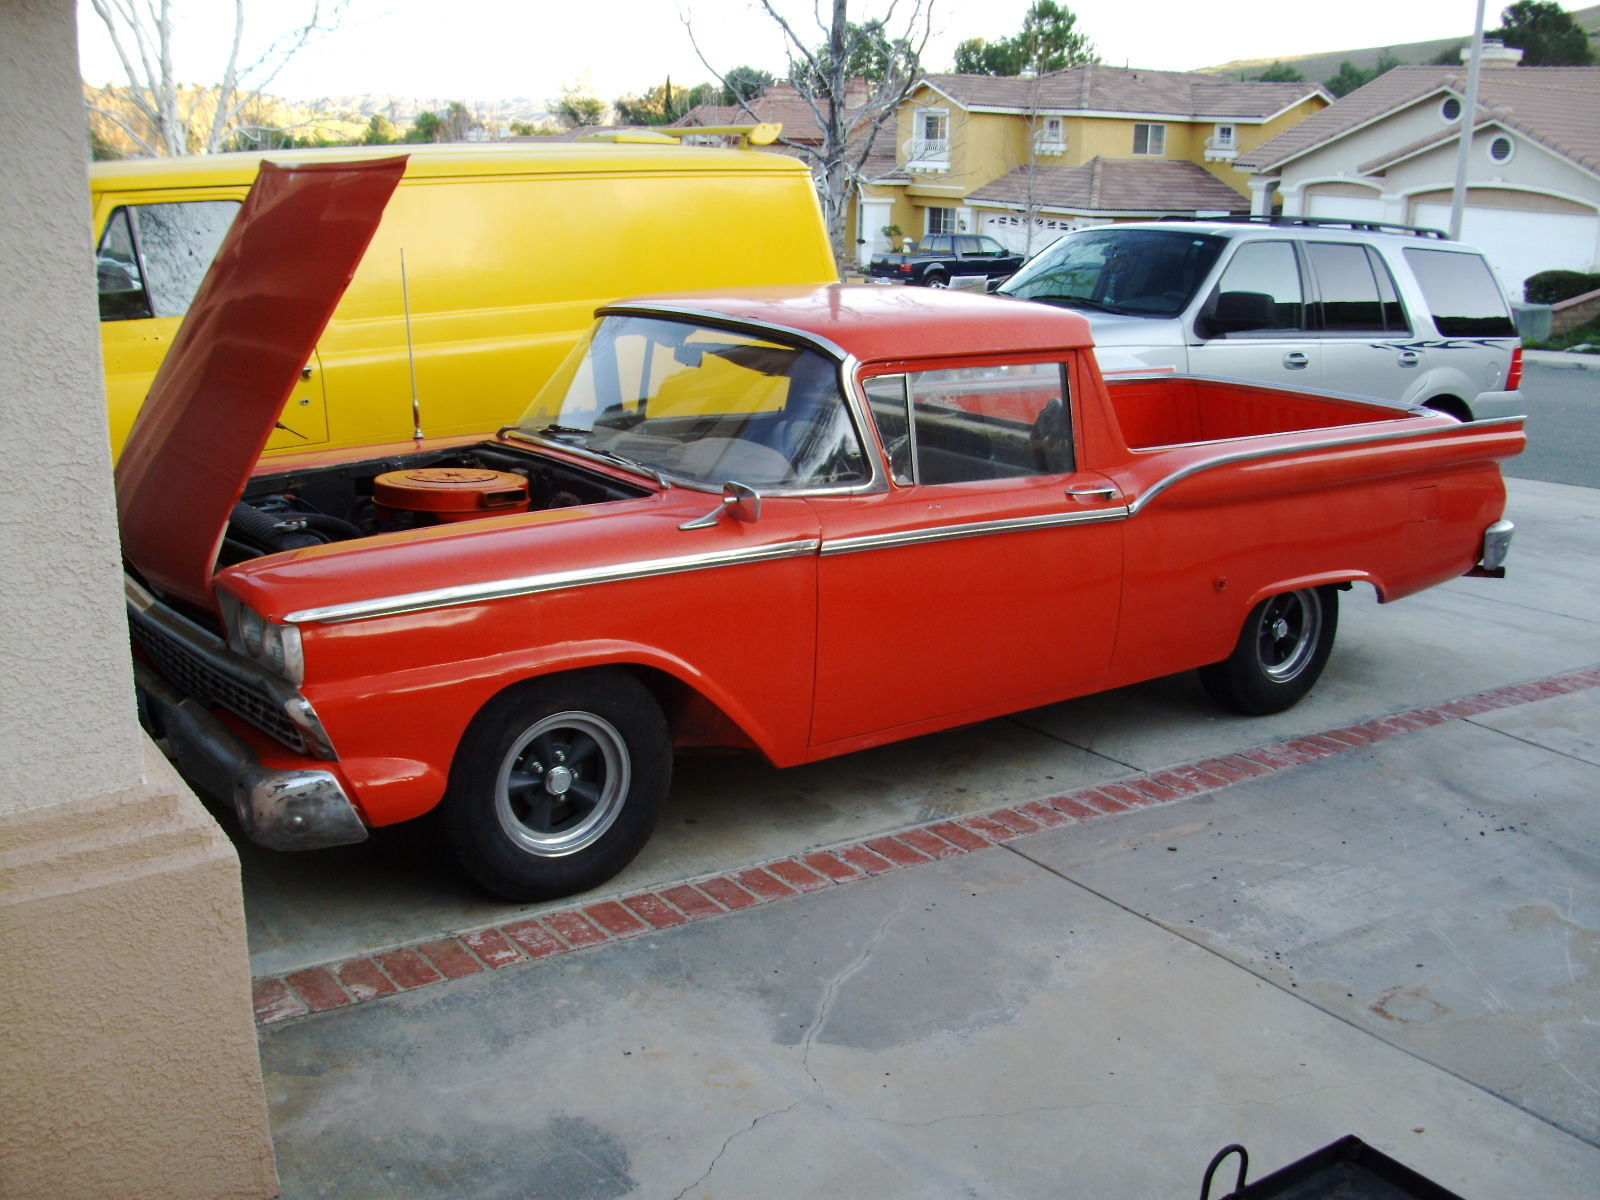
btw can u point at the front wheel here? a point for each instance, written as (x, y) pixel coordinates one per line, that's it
(1280, 654)
(557, 785)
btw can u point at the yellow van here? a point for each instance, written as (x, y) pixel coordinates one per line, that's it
(489, 263)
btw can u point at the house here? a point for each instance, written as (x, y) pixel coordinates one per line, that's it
(1024, 159)
(1389, 152)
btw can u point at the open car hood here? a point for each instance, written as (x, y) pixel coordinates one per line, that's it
(235, 361)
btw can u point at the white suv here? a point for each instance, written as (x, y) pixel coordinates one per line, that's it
(1388, 312)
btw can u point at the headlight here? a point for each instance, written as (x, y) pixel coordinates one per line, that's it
(277, 648)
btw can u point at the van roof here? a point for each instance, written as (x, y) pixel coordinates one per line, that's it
(441, 161)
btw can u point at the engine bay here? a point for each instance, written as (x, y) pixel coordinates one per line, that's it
(296, 509)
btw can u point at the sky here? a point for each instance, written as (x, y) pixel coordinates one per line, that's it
(478, 50)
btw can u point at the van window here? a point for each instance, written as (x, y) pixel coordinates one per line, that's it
(1461, 293)
(152, 257)
(1268, 269)
(1354, 288)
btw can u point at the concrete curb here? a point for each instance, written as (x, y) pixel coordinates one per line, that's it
(342, 983)
(1562, 360)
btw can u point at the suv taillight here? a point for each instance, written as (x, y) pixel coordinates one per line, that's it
(1514, 376)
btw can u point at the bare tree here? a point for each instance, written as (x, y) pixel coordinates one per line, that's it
(166, 118)
(852, 83)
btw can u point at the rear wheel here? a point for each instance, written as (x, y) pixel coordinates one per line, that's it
(937, 280)
(557, 785)
(1280, 654)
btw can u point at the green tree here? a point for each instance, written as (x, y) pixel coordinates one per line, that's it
(424, 128)
(1351, 77)
(1280, 73)
(744, 84)
(1546, 34)
(664, 104)
(1049, 41)
(577, 108)
(1450, 56)
(380, 131)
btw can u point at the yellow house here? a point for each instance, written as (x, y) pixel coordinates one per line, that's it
(1023, 159)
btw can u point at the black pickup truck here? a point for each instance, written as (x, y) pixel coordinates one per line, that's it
(943, 257)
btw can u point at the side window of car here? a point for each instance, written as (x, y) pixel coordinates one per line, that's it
(152, 257)
(1461, 293)
(974, 423)
(1355, 292)
(1260, 291)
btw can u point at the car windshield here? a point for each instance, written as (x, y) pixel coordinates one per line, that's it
(1136, 272)
(702, 405)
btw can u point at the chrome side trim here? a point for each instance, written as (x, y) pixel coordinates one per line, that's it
(1261, 453)
(528, 585)
(947, 533)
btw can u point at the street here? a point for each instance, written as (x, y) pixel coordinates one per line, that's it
(1563, 410)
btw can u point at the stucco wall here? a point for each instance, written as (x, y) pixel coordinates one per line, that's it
(63, 637)
(128, 1062)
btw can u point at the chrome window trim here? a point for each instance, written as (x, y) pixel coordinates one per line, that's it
(948, 533)
(529, 585)
(848, 368)
(144, 608)
(1335, 443)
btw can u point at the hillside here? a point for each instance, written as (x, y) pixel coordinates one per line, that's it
(1326, 65)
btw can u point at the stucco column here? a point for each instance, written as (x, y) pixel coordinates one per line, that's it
(1262, 189)
(130, 1060)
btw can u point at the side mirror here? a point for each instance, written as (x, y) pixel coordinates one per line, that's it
(1240, 312)
(740, 501)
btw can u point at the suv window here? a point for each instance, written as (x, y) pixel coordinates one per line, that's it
(1268, 268)
(1461, 293)
(1143, 272)
(1355, 289)
(152, 257)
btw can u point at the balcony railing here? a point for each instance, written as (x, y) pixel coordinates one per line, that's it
(927, 155)
(1221, 149)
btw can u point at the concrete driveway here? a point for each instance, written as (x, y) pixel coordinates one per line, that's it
(1382, 920)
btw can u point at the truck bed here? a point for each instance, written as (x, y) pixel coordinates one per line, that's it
(1176, 410)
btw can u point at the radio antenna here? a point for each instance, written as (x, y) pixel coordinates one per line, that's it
(411, 353)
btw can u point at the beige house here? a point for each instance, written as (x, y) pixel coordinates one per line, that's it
(1389, 152)
(1023, 159)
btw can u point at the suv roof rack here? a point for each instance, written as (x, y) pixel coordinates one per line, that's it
(1322, 222)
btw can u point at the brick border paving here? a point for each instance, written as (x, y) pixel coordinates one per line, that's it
(353, 981)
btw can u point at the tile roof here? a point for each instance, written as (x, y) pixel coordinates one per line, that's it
(1122, 185)
(1099, 88)
(780, 103)
(1558, 107)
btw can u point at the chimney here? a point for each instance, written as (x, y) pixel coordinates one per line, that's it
(1495, 55)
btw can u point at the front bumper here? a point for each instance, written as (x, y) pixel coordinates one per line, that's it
(293, 809)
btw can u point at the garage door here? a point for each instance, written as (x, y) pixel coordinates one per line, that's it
(1011, 231)
(1519, 242)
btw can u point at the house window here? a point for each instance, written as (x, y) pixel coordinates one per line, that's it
(1050, 136)
(930, 139)
(1450, 110)
(1150, 139)
(1225, 137)
(1501, 149)
(941, 221)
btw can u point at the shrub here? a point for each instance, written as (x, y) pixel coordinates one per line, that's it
(1552, 287)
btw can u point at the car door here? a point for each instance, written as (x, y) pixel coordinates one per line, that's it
(1255, 323)
(987, 578)
(1367, 347)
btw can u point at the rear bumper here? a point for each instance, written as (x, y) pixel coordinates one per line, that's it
(1496, 546)
(282, 809)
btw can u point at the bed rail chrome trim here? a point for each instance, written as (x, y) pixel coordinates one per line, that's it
(946, 533)
(528, 585)
(1260, 453)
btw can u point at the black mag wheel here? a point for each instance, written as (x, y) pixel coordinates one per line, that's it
(557, 784)
(1280, 653)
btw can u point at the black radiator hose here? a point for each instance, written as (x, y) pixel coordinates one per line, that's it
(267, 530)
